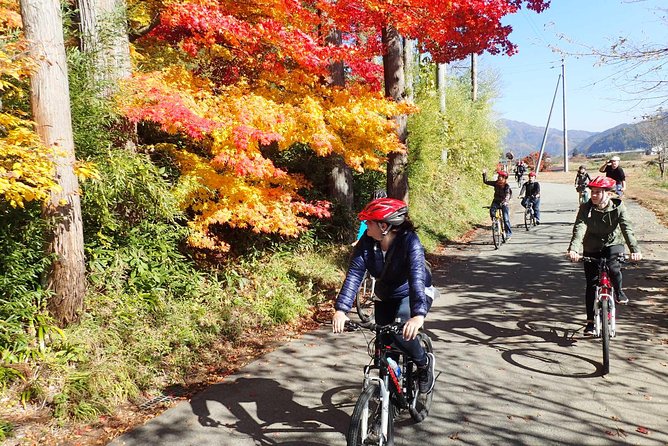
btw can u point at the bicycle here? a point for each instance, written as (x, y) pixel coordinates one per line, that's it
(583, 195)
(364, 298)
(529, 215)
(604, 307)
(498, 228)
(386, 392)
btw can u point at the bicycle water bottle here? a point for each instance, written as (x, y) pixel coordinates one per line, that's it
(395, 367)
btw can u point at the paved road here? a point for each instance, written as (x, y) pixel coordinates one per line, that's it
(513, 366)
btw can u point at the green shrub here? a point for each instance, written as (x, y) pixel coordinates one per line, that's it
(446, 154)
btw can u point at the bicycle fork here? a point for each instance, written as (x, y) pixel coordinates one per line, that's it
(385, 407)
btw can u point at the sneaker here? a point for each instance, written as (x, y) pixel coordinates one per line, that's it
(537, 222)
(508, 237)
(426, 378)
(589, 329)
(621, 298)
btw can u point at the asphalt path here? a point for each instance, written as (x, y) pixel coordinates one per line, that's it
(513, 367)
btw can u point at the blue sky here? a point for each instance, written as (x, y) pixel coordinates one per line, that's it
(595, 97)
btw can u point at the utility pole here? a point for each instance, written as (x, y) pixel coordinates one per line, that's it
(563, 88)
(547, 127)
(474, 77)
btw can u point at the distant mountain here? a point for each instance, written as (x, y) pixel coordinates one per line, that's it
(523, 138)
(622, 138)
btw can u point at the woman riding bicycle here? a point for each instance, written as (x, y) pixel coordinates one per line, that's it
(502, 195)
(601, 228)
(392, 253)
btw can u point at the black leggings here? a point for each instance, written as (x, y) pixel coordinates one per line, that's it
(387, 312)
(591, 275)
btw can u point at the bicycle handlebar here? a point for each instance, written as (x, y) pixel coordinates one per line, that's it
(622, 258)
(394, 327)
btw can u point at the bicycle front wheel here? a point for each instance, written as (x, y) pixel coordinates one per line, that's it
(364, 299)
(605, 334)
(420, 409)
(366, 422)
(496, 232)
(527, 219)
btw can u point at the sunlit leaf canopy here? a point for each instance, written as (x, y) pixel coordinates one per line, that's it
(233, 78)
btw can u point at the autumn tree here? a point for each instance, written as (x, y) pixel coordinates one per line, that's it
(257, 77)
(654, 129)
(447, 31)
(43, 28)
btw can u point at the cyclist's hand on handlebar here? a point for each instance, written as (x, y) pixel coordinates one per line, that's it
(574, 256)
(412, 327)
(339, 321)
(636, 256)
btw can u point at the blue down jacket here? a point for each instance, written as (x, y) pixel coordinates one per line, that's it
(406, 273)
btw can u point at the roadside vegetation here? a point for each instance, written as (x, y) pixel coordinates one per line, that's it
(160, 315)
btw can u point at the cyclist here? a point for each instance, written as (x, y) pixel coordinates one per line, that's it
(601, 228)
(520, 169)
(531, 192)
(392, 253)
(502, 195)
(582, 179)
(612, 169)
(378, 193)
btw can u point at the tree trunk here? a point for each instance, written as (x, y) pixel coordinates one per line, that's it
(104, 37)
(393, 72)
(50, 98)
(441, 73)
(409, 69)
(341, 176)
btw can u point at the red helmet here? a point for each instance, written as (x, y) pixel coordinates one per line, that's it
(532, 174)
(502, 173)
(602, 182)
(389, 210)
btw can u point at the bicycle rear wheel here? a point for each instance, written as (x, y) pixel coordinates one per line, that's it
(605, 335)
(366, 422)
(496, 232)
(364, 299)
(423, 401)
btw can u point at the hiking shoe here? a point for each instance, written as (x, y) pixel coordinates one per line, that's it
(426, 378)
(621, 298)
(589, 329)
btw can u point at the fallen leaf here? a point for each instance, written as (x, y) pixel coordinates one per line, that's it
(642, 430)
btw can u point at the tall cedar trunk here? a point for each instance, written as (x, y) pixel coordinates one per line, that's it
(50, 98)
(393, 72)
(341, 176)
(104, 36)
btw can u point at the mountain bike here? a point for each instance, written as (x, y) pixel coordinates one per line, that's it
(498, 228)
(387, 391)
(529, 215)
(364, 298)
(519, 177)
(604, 307)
